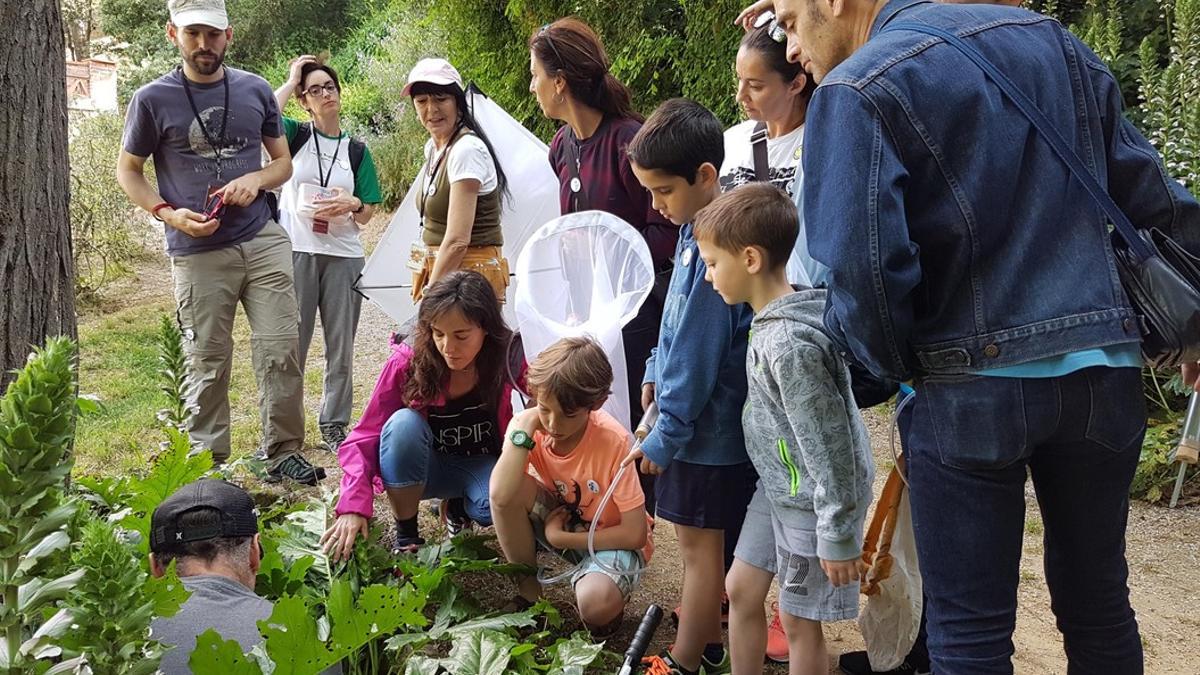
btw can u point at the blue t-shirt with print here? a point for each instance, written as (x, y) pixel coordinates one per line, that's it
(160, 123)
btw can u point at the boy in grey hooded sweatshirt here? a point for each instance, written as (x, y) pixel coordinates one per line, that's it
(803, 433)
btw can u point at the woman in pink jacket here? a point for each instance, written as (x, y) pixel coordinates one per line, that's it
(434, 425)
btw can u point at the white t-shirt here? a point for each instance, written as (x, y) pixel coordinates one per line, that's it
(786, 172)
(341, 239)
(783, 157)
(469, 158)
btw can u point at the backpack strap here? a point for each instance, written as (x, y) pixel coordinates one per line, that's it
(302, 135)
(758, 143)
(357, 150)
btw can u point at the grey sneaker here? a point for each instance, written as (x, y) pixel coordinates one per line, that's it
(332, 436)
(293, 466)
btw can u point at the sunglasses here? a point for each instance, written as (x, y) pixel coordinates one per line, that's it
(775, 31)
(545, 30)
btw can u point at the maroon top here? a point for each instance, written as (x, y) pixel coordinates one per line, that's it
(609, 184)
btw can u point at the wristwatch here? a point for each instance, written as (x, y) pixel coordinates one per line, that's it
(521, 439)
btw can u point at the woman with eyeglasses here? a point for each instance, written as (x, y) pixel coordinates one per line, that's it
(774, 94)
(333, 190)
(461, 184)
(570, 78)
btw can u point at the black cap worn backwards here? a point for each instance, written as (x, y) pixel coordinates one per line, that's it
(238, 517)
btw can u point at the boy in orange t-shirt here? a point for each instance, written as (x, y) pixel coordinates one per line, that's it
(575, 449)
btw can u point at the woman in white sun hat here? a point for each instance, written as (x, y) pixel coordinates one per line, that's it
(460, 186)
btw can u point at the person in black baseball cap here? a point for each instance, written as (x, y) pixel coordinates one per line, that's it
(209, 528)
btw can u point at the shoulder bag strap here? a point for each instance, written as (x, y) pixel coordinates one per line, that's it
(758, 143)
(1137, 246)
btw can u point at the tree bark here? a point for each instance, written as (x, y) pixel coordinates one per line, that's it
(37, 272)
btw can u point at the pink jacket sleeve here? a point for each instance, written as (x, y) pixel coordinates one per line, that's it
(359, 454)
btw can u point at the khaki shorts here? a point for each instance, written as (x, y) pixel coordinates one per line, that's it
(487, 260)
(619, 560)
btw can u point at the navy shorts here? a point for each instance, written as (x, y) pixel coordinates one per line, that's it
(708, 497)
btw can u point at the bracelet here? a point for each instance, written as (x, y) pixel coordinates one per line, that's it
(159, 207)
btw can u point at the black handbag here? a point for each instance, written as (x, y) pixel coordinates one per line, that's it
(1160, 278)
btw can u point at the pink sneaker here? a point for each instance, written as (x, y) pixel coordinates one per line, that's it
(777, 642)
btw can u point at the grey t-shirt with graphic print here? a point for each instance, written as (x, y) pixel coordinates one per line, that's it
(161, 124)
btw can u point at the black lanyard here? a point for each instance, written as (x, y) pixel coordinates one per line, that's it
(431, 175)
(321, 175)
(212, 143)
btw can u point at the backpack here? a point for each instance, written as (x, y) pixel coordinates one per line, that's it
(357, 147)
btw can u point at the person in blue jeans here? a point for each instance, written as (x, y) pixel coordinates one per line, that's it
(963, 255)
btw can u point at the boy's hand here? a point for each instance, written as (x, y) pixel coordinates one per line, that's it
(527, 420)
(749, 15)
(647, 467)
(647, 395)
(556, 527)
(842, 572)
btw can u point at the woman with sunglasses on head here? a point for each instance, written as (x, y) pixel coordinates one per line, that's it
(774, 94)
(570, 78)
(333, 190)
(461, 184)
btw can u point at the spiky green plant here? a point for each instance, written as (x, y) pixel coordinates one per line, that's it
(113, 604)
(1171, 93)
(37, 421)
(173, 373)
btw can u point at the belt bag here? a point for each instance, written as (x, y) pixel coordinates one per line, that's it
(1160, 278)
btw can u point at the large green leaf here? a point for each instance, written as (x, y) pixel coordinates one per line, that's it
(379, 610)
(55, 541)
(214, 655)
(422, 665)
(166, 592)
(175, 467)
(292, 641)
(32, 595)
(481, 652)
(495, 623)
(573, 656)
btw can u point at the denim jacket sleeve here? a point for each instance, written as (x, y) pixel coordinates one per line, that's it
(689, 376)
(1137, 180)
(856, 226)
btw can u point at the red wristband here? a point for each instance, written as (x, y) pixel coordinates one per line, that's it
(159, 207)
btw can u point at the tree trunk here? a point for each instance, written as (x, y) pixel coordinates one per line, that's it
(37, 273)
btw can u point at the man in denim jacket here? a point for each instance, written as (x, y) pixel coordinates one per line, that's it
(964, 255)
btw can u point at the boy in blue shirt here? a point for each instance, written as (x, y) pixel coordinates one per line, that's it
(697, 375)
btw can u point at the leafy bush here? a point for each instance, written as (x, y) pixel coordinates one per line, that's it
(103, 223)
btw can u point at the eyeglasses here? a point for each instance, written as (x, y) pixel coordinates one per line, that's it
(545, 30)
(774, 30)
(317, 89)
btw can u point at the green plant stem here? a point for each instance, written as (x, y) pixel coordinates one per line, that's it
(1162, 398)
(13, 633)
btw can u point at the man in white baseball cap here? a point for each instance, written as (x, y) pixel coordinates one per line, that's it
(198, 13)
(206, 124)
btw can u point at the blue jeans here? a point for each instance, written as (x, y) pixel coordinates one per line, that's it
(971, 442)
(407, 458)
